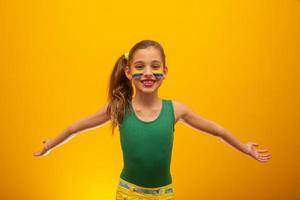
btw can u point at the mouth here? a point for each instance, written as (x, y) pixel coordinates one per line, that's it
(148, 82)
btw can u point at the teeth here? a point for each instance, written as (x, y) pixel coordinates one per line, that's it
(148, 82)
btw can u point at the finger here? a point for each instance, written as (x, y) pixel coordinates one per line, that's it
(255, 144)
(259, 156)
(262, 150)
(36, 154)
(265, 155)
(265, 158)
(263, 161)
(252, 144)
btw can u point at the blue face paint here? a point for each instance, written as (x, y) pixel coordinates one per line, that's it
(137, 73)
(158, 73)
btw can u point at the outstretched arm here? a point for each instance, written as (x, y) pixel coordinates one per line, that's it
(192, 119)
(95, 120)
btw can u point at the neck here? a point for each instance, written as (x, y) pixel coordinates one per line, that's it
(146, 100)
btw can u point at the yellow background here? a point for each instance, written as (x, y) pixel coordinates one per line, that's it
(233, 62)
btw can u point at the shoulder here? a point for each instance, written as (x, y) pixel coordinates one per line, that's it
(178, 104)
(180, 109)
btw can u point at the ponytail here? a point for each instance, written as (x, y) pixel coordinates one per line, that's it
(120, 93)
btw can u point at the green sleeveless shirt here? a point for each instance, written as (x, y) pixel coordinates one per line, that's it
(147, 147)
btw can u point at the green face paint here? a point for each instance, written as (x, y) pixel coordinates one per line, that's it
(137, 73)
(158, 73)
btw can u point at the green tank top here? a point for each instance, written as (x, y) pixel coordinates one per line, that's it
(147, 147)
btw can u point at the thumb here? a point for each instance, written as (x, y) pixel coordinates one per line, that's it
(255, 144)
(37, 153)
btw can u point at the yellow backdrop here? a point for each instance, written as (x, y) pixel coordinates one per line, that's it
(233, 62)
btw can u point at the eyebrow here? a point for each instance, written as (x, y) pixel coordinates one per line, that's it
(140, 61)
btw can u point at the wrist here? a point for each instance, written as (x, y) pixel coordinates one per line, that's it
(47, 146)
(246, 149)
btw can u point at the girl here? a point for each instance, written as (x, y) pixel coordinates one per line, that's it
(146, 124)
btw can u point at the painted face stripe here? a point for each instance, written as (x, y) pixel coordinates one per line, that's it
(158, 73)
(138, 73)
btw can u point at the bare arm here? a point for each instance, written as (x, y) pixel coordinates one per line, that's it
(92, 121)
(190, 118)
(200, 123)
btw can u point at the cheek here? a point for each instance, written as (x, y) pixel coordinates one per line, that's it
(158, 73)
(136, 81)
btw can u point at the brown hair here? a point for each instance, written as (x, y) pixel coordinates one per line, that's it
(120, 88)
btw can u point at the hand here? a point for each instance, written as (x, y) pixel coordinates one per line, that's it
(256, 154)
(45, 151)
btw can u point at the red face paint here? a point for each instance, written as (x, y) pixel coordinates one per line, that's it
(137, 73)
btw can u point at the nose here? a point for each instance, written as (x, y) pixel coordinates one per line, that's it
(148, 71)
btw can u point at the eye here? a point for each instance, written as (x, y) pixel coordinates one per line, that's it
(138, 66)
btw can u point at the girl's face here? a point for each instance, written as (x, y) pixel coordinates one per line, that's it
(146, 71)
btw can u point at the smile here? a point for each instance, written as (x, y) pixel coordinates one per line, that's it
(148, 83)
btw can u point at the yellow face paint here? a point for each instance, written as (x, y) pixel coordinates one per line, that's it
(137, 73)
(158, 73)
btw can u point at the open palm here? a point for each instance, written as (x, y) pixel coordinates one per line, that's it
(257, 153)
(45, 151)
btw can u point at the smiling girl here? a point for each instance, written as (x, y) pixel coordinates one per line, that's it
(146, 124)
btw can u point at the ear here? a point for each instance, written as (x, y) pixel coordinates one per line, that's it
(165, 69)
(127, 72)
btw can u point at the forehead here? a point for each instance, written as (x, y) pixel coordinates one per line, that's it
(149, 54)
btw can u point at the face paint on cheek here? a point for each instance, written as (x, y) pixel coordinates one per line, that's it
(137, 73)
(158, 73)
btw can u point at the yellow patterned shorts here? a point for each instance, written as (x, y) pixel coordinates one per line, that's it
(130, 191)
